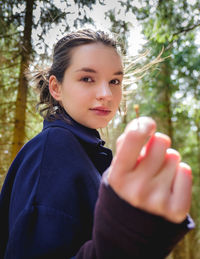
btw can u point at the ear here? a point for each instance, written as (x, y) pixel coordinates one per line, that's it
(55, 88)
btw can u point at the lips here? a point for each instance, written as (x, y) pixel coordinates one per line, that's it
(101, 110)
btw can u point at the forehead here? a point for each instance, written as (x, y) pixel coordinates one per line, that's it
(97, 56)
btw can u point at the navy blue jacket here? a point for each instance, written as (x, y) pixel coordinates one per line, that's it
(48, 201)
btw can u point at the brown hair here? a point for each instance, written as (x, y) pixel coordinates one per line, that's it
(48, 107)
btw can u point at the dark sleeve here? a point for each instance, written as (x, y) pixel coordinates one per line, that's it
(122, 231)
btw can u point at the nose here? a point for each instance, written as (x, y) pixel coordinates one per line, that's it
(104, 92)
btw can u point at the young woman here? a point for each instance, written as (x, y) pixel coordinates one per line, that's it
(51, 205)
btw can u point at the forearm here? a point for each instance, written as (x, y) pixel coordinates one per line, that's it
(123, 231)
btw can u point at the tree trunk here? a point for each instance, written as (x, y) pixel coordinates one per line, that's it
(169, 112)
(167, 100)
(197, 121)
(170, 256)
(164, 98)
(20, 110)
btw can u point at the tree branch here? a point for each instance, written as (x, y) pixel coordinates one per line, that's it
(13, 65)
(9, 35)
(183, 30)
(6, 103)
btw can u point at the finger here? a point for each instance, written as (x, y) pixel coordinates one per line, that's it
(130, 145)
(154, 155)
(119, 140)
(160, 183)
(181, 192)
(167, 173)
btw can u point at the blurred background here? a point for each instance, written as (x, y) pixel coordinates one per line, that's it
(168, 91)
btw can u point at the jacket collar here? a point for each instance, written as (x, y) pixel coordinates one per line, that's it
(90, 136)
(90, 139)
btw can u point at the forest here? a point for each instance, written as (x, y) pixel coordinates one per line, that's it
(163, 78)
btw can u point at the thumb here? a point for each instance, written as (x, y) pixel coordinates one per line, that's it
(131, 142)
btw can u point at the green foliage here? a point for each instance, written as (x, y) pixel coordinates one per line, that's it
(165, 20)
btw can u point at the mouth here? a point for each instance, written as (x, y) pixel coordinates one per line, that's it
(100, 110)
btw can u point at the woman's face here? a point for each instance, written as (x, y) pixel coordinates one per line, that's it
(91, 89)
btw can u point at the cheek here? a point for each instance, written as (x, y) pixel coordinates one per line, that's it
(118, 96)
(70, 93)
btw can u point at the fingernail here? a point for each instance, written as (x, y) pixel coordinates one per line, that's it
(163, 136)
(144, 125)
(185, 166)
(186, 169)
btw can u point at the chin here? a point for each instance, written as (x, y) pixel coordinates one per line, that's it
(98, 124)
(102, 125)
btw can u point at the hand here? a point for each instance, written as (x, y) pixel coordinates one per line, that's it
(148, 174)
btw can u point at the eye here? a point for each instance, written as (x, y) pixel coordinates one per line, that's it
(115, 82)
(87, 79)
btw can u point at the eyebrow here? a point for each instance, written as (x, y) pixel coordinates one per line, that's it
(90, 70)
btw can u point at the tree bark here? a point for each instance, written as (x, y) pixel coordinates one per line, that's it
(197, 122)
(20, 110)
(165, 77)
(169, 112)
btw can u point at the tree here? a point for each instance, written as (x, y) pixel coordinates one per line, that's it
(20, 120)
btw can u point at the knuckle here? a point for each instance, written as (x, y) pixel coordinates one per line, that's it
(160, 202)
(177, 214)
(139, 194)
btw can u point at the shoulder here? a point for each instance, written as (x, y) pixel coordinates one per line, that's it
(51, 140)
(64, 156)
(60, 135)
(61, 143)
